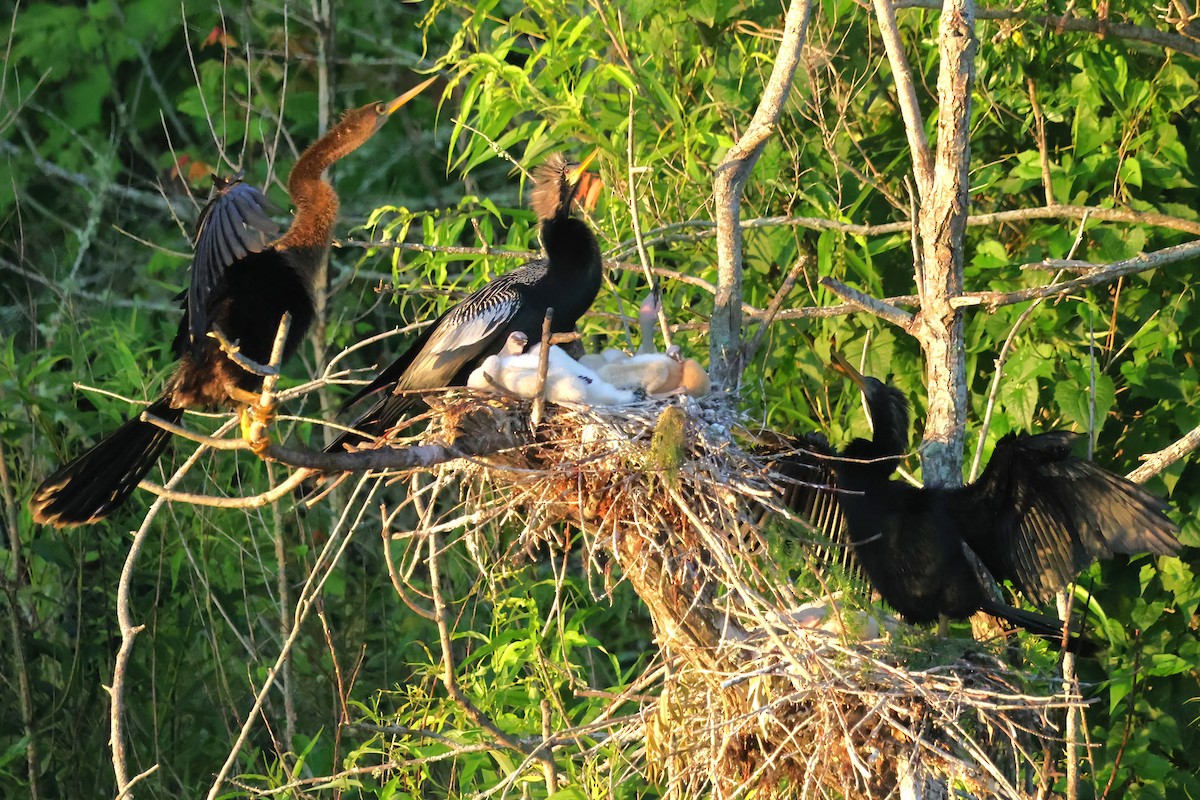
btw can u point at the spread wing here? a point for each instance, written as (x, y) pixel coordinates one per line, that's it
(803, 471)
(1040, 515)
(233, 225)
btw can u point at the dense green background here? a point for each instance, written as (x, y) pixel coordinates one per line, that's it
(98, 104)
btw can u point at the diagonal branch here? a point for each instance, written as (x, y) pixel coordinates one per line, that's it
(726, 330)
(906, 90)
(865, 302)
(1159, 461)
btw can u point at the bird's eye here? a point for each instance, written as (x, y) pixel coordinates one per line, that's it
(379, 109)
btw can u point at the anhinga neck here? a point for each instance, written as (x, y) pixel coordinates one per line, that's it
(888, 408)
(570, 245)
(890, 440)
(315, 201)
(877, 458)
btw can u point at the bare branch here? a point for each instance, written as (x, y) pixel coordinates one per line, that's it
(129, 631)
(1130, 266)
(1159, 461)
(773, 309)
(1105, 27)
(910, 109)
(865, 302)
(539, 397)
(253, 501)
(731, 175)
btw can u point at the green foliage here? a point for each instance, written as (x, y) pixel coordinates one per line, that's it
(99, 102)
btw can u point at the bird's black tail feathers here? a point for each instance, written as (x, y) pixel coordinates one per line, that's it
(93, 485)
(1049, 628)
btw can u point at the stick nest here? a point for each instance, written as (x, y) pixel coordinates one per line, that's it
(754, 699)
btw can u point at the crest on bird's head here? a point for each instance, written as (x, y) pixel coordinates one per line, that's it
(558, 183)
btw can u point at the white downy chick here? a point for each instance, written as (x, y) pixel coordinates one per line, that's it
(597, 360)
(487, 376)
(567, 381)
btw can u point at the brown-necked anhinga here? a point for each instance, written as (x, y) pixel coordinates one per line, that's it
(243, 280)
(567, 279)
(1037, 516)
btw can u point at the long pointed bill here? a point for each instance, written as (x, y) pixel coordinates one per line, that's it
(585, 186)
(840, 365)
(574, 176)
(399, 102)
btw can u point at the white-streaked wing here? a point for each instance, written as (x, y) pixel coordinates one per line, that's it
(462, 336)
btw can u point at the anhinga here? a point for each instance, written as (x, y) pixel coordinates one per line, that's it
(1037, 516)
(242, 282)
(567, 280)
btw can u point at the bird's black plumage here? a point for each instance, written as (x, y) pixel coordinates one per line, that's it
(567, 279)
(228, 246)
(244, 278)
(1036, 517)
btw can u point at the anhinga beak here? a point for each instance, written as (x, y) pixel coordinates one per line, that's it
(840, 365)
(585, 186)
(576, 174)
(399, 102)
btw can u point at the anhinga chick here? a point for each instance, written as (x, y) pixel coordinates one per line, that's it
(1037, 516)
(658, 374)
(516, 371)
(243, 280)
(567, 279)
(647, 318)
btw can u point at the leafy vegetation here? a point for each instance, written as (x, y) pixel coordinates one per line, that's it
(112, 116)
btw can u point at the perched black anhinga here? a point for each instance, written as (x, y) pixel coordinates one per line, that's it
(446, 353)
(242, 282)
(1037, 516)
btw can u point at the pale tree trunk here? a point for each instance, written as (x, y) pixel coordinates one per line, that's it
(942, 232)
(943, 199)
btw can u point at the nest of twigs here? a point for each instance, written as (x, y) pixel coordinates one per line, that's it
(754, 700)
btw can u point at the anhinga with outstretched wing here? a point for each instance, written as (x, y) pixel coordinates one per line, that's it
(243, 280)
(1037, 516)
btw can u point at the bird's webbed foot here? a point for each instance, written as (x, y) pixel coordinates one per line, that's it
(257, 414)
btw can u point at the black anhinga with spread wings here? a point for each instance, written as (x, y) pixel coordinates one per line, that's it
(567, 279)
(243, 279)
(1037, 516)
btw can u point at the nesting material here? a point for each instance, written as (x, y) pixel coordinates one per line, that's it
(756, 700)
